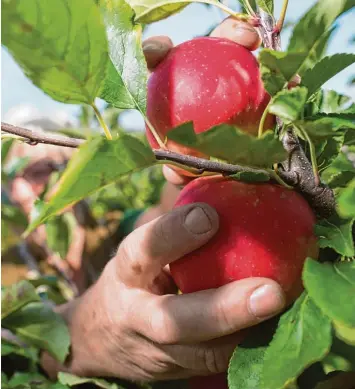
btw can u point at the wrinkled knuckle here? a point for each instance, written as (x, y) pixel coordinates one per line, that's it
(211, 360)
(223, 318)
(163, 327)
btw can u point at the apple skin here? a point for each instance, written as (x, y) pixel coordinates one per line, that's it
(265, 230)
(208, 81)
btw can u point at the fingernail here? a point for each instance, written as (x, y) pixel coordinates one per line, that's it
(152, 46)
(197, 221)
(266, 301)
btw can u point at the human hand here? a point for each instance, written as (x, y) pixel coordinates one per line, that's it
(132, 325)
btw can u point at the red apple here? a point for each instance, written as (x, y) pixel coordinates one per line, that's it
(265, 231)
(208, 81)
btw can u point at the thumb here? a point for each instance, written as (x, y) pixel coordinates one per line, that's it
(239, 32)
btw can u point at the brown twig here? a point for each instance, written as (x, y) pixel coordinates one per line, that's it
(166, 155)
(35, 137)
(205, 165)
(296, 171)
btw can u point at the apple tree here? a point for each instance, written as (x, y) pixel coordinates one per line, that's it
(244, 125)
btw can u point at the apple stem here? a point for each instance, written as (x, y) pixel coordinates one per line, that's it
(313, 155)
(278, 179)
(102, 122)
(155, 134)
(280, 22)
(262, 121)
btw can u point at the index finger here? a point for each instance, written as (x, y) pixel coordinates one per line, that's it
(208, 314)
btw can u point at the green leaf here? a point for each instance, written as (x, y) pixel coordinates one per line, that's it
(325, 69)
(246, 365)
(73, 380)
(8, 348)
(16, 166)
(339, 277)
(318, 51)
(61, 45)
(346, 201)
(315, 22)
(16, 296)
(149, 11)
(232, 145)
(344, 333)
(266, 5)
(328, 150)
(13, 215)
(277, 68)
(288, 104)
(4, 378)
(97, 163)
(324, 127)
(245, 368)
(336, 233)
(289, 353)
(32, 379)
(114, 91)
(40, 326)
(338, 120)
(332, 102)
(5, 149)
(309, 36)
(60, 233)
(334, 362)
(341, 171)
(13, 224)
(126, 79)
(340, 358)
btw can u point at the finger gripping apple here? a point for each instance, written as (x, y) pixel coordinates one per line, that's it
(208, 81)
(265, 231)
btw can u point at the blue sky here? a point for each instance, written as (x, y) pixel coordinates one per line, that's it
(192, 21)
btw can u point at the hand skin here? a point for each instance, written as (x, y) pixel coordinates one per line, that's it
(132, 325)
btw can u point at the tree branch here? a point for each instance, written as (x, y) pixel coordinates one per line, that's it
(205, 165)
(296, 171)
(35, 137)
